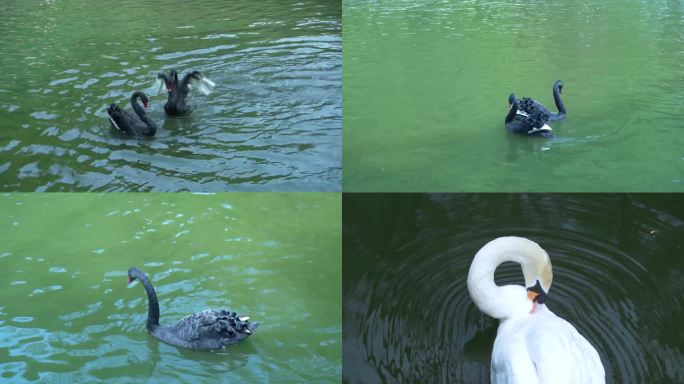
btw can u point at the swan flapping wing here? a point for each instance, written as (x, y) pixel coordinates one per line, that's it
(157, 87)
(204, 85)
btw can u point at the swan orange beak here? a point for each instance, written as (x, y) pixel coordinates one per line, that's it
(532, 295)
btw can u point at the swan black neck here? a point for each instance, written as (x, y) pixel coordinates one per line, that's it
(186, 79)
(557, 88)
(513, 108)
(140, 111)
(153, 312)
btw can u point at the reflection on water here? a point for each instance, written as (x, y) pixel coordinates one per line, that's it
(426, 88)
(67, 313)
(273, 121)
(408, 316)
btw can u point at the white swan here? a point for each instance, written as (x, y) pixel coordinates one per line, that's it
(532, 344)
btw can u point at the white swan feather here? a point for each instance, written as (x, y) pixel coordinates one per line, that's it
(533, 345)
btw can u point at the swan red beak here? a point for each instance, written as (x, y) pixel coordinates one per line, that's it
(130, 280)
(145, 104)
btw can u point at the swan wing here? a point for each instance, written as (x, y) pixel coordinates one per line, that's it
(159, 86)
(203, 84)
(545, 127)
(214, 324)
(121, 119)
(511, 361)
(535, 114)
(560, 354)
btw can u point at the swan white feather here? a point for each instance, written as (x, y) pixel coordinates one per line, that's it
(544, 127)
(532, 345)
(115, 124)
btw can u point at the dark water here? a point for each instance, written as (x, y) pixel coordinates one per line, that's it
(618, 277)
(426, 88)
(67, 314)
(273, 121)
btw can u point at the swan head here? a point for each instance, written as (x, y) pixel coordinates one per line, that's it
(170, 80)
(511, 100)
(558, 84)
(538, 272)
(134, 273)
(139, 95)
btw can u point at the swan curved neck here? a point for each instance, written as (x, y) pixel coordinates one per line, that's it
(153, 304)
(557, 99)
(512, 111)
(503, 302)
(186, 79)
(140, 111)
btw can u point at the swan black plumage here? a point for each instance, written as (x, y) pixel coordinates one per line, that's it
(178, 91)
(130, 124)
(209, 329)
(529, 117)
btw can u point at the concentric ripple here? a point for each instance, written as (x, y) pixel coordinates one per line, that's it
(273, 121)
(408, 316)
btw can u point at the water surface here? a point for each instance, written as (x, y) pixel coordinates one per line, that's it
(272, 123)
(426, 86)
(408, 317)
(67, 313)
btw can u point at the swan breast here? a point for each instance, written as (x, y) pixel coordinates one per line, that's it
(543, 348)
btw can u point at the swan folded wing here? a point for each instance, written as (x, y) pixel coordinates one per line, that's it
(121, 118)
(561, 355)
(535, 114)
(213, 324)
(114, 113)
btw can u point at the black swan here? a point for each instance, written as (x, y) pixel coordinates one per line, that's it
(178, 91)
(209, 329)
(130, 124)
(529, 117)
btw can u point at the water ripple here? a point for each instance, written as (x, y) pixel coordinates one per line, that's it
(272, 123)
(408, 316)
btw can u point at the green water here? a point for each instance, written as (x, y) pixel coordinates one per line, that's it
(273, 121)
(426, 86)
(68, 315)
(618, 275)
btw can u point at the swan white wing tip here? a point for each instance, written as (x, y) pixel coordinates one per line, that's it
(203, 85)
(157, 87)
(544, 127)
(209, 82)
(114, 123)
(244, 318)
